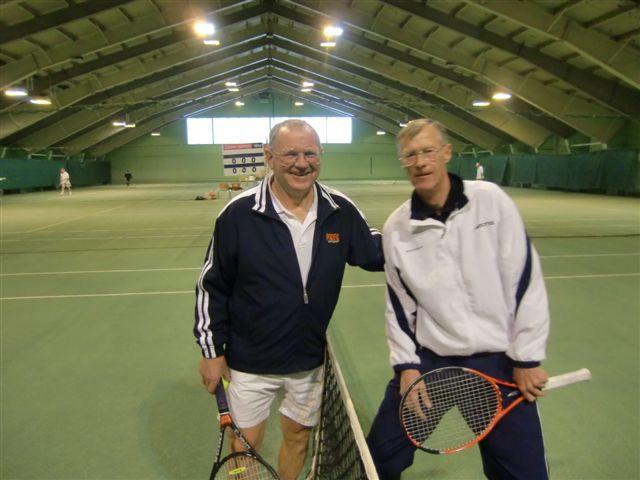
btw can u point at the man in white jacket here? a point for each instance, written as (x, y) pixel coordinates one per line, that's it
(464, 288)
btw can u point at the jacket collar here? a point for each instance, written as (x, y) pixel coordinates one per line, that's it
(263, 204)
(456, 200)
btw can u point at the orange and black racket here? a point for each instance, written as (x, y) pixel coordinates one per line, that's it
(450, 409)
(245, 465)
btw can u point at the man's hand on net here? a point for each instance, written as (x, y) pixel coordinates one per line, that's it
(211, 369)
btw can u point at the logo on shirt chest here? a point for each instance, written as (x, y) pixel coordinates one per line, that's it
(332, 237)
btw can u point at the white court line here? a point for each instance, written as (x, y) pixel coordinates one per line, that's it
(72, 272)
(122, 237)
(577, 255)
(175, 292)
(601, 275)
(97, 230)
(134, 270)
(75, 218)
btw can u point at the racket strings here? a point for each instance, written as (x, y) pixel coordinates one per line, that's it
(463, 406)
(244, 467)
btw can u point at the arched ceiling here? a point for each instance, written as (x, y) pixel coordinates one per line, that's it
(572, 66)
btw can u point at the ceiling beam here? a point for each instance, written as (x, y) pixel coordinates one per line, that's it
(608, 93)
(140, 116)
(162, 92)
(588, 118)
(339, 85)
(482, 90)
(151, 76)
(392, 79)
(172, 14)
(619, 59)
(460, 126)
(56, 18)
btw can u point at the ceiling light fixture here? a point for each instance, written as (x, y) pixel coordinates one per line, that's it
(230, 84)
(298, 103)
(481, 103)
(118, 123)
(381, 132)
(234, 89)
(332, 31)
(305, 90)
(402, 124)
(307, 84)
(40, 101)
(501, 96)
(129, 125)
(211, 42)
(239, 103)
(328, 44)
(204, 29)
(155, 134)
(16, 92)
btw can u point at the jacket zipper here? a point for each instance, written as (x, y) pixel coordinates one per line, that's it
(305, 296)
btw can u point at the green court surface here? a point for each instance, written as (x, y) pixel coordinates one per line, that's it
(99, 366)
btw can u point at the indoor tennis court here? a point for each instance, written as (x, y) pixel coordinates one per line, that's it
(99, 364)
(127, 125)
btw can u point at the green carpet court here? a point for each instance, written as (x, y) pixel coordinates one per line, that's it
(99, 376)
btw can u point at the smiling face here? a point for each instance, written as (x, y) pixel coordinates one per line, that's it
(294, 158)
(428, 173)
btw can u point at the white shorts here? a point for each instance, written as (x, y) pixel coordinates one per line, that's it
(251, 395)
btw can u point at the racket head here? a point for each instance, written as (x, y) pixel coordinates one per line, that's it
(465, 405)
(243, 466)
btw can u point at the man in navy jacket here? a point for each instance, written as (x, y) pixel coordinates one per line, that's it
(270, 283)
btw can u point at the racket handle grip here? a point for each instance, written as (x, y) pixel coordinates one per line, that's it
(221, 398)
(565, 379)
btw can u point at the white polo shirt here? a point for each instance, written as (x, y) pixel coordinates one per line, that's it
(301, 232)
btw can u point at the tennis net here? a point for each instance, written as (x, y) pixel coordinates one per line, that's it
(339, 448)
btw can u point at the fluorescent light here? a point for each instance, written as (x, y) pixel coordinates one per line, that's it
(40, 101)
(129, 125)
(230, 84)
(328, 44)
(332, 31)
(481, 103)
(239, 103)
(501, 96)
(298, 104)
(402, 124)
(204, 29)
(155, 134)
(16, 92)
(118, 124)
(234, 89)
(307, 84)
(211, 42)
(381, 132)
(305, 90)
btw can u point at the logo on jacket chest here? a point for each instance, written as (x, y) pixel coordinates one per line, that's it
(332, 237)
(485, 224)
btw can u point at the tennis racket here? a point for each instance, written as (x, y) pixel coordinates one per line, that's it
(246, 465)
(450, 409)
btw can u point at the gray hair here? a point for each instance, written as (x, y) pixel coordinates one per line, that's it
(414, 127)
(291, 123)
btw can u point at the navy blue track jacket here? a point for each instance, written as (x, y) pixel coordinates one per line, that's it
(251, 305)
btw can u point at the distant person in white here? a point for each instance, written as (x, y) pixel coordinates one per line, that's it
(479, 171)
(65, 181)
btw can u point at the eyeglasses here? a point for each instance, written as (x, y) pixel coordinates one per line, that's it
(410, 158)
(291, 157)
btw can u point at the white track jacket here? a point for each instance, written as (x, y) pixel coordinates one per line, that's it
(470, 285)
